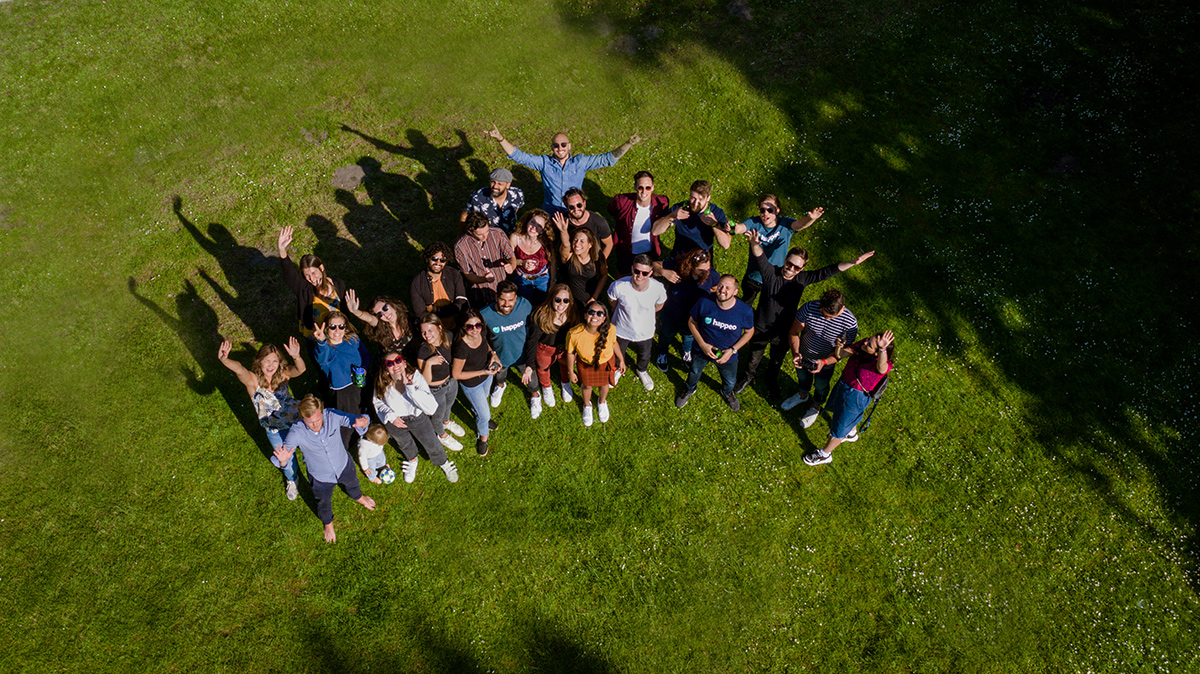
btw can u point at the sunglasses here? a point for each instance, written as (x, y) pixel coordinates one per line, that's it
(439, 260)
(645, 189)
(789, 265)
(562, 300)
(558, 145)
(381, 312)
(336, 327)
(392, 362)
(575, 207)
(473, 326)
(767, 209)
(638, 272)
(593, 312)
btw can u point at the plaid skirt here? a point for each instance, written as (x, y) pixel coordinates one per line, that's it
(596, 376)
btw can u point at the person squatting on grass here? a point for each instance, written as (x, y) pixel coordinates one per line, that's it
(473, 363)
(506, 319)
(404, 403)
(813, 339)
(637, 299)
(318, 436)
(782, 288)
(593, 360)
(870, 361)
(371, 457)
(546, 343)
(268, 383)
(433, 359)
(721, 324)
(560, 170)
(316, 293)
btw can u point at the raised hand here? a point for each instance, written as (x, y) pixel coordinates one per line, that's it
(560, 221)
(816, 212)
(285, 239)
(352, 301)
(494, 133)
(864, 257)
(283, 455)
(752, 234)
(319, 332)
(224, 349)
(292, 347)
(634, 139)
(886, 339)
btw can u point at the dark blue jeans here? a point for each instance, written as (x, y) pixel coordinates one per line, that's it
(818, 382)
(727, 370)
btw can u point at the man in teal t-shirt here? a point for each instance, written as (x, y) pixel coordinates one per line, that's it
(506, 319)
(774, 235)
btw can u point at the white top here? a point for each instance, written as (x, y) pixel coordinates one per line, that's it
(416, 399)
(367, 450)
(633, 315)
(639, 239)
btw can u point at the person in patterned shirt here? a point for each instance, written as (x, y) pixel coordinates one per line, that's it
(499, 201)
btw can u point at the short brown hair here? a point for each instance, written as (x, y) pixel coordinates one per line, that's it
(475, 220)
(310, 405)
(701, 187)
(832, 301)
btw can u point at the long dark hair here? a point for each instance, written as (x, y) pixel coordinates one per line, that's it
(384, 379)
(467, 315)
(602, 333)
(593, 252)
(687, 262)
(381, 332)
(543, 316)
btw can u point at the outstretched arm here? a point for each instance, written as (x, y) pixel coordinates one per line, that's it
(245, 376)
(843, 266)
(624, 147)
(495, 134)
(808, 219)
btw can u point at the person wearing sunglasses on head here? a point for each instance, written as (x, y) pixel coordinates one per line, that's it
(782, 288)
(404, 403)
(532, 245)
(498, 202)
(438, 289)
(690, 276)
(579, 217)
(721, 325)
(593, 359)
(698, 222)
(637, 299)
(774, 236)
(560, 170)
(545, 344)
(633, 215)
(473, 362)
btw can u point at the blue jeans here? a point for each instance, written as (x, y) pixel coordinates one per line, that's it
(727, 370)
(847, 406)
(293, 467)
(668, 328)
(819, 382)
(374, 464)
(478, 397)
(533, 289)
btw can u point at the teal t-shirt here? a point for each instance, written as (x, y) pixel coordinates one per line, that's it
(508, 330)
(775, 242)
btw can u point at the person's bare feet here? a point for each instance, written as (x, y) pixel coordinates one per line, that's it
(376, 480)
(367, 501)
(330, 536)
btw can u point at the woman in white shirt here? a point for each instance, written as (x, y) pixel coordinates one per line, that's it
(404, 404)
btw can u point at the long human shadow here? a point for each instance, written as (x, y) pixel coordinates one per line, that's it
(253, 277)
(1023, 196)
(197, 327)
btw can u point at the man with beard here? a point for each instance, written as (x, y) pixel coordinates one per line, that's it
(782, 288)
(579, 217)
(721, 324)
(499, 202)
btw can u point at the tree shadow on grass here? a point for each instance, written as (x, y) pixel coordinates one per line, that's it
(1024, 199)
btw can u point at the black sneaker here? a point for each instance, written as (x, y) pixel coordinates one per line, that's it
(741, 385)
(683, 398)
(661, 362)
(732, 401)
(493, 424)
(481, 447)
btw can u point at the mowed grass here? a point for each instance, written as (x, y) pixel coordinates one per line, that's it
(1025, 500)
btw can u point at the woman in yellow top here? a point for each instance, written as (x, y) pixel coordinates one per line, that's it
(592, 345)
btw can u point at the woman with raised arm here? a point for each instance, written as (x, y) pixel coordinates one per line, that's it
(267, 382)
(534, 268)
(592, 347)
(582, 267)
(473, 362)
(404, 403)
(545, 343)
(387, 322)
(316, 292)
(871, 360)
(433, 360)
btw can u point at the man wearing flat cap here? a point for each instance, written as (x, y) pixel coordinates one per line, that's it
(498, 202)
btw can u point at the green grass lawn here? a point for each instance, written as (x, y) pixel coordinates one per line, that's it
(1026, 499)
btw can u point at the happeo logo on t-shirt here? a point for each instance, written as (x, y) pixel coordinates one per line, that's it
(496, 330)
(708, 320)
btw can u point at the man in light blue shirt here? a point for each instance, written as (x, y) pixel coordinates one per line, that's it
(560, 170)
(319, 437)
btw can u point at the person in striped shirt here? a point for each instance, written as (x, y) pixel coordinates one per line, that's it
(485, 257)
(814, 337)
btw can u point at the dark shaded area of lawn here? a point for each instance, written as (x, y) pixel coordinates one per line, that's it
(1030, 174)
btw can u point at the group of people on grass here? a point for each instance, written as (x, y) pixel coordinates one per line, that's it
(523, 291)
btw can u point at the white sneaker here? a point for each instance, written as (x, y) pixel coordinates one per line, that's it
(852, 436)
(535, 407)
(566, 389)
(548, 395)
(810, 417)
(616, 377)
(587, 416)
(410, 470)
(292, 492)
(450, 443)
(455, 428)
(450, 470)
(603, 407)
(497, 395)
(647, 382)
(794, 401)
(687, 356)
